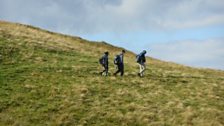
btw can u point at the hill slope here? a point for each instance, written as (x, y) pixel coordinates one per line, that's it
(52, 79)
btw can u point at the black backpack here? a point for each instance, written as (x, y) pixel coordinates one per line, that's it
(117, 60)
(138, 58)
(101, 61)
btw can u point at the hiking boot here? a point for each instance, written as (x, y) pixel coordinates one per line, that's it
(101, 73)
(139, 74)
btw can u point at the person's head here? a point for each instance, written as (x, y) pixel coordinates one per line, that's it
(123, 51)
(106, 53)
(144, 51)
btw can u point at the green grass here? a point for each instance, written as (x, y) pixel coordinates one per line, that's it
(52, 79)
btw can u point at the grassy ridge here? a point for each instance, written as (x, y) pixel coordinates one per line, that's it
(52, 79)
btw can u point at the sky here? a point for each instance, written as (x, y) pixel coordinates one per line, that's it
(189, 32)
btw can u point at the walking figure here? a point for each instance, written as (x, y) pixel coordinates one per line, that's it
(119, 61)
(140, 58)
(104, 62)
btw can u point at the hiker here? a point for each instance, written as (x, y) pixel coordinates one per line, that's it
(104, 62)
(140, 58)
(119, 61)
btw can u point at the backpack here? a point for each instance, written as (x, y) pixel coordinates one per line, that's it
(138, 58)
(101, 61)
(117, 60)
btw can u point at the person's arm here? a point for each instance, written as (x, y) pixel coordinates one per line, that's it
(104, 59)
(107, 62)
(144, 59)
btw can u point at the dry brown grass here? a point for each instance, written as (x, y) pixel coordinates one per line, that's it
(52, 79)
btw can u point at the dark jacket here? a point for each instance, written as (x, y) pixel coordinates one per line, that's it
(105, 60)
(121, 58)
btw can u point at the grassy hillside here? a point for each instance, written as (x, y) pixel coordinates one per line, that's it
(52, 79)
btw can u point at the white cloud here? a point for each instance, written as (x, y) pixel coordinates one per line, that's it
(206, 53)
(96, 16)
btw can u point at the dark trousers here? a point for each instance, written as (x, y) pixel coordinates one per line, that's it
(120, 69)
(105, 69)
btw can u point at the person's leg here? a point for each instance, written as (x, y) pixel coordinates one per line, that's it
(118, 70)
(106, 70)
(142, 69)
(122, 69)
(102, 73)
(103, 70)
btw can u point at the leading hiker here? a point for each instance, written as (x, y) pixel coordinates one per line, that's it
(140, 58)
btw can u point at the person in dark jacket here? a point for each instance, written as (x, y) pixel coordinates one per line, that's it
(141, 61)
(104, 62)
(119, 61)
